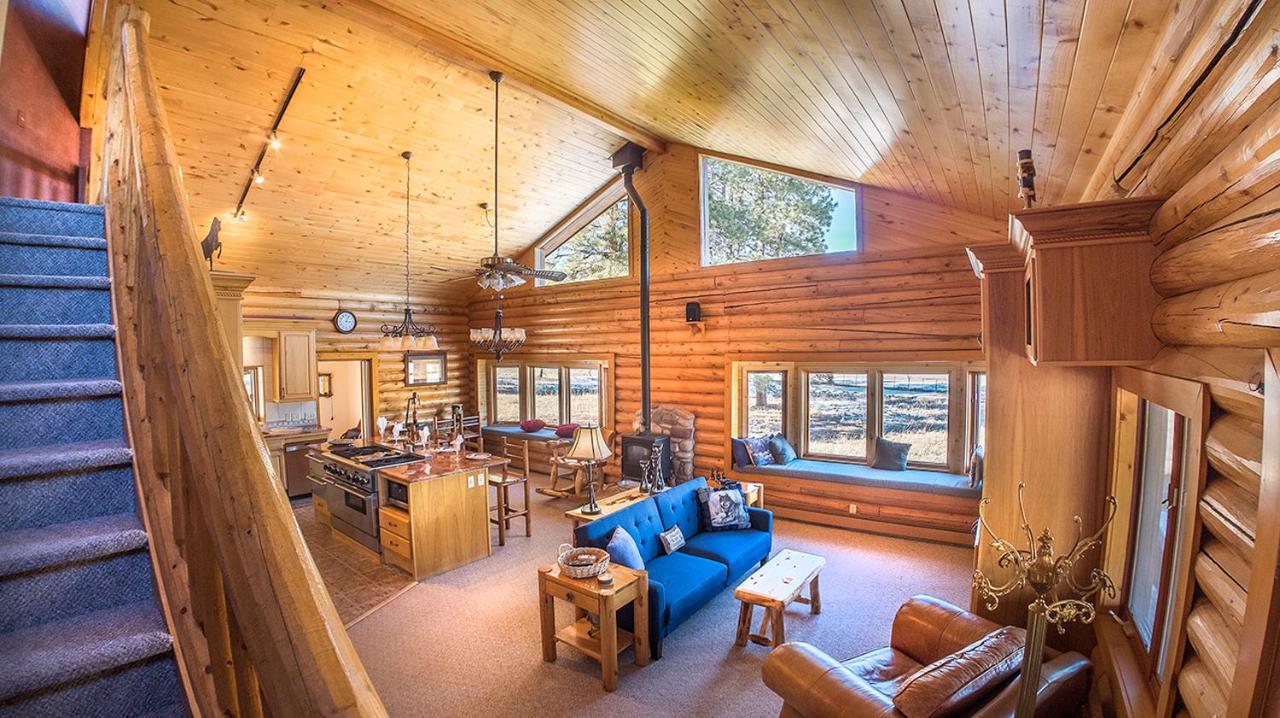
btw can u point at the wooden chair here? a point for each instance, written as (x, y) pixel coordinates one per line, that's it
(472, 437)
(564, 468)
(502, 510)
(443, 430)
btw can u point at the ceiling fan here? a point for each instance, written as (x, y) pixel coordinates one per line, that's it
(497, 272)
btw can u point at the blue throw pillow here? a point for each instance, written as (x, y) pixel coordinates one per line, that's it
(623, 550)
(758, 450)
(723, 509)
(891, 455)
(782, 450)
(741, 457)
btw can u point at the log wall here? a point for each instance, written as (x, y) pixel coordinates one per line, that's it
(1210, 142)
(308, 309)
(910, 295)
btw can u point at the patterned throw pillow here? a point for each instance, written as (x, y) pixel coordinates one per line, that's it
(758, 450)
(672, 539)
(723, 509)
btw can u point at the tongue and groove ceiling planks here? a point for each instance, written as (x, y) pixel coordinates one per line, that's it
(931, 98)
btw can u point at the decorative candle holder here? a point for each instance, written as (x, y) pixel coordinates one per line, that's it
(1037, 567)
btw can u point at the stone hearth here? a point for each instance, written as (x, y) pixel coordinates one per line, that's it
(678, 424)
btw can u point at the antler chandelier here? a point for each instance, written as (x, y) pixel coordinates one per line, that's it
(1037, 568)
(497, 340)
(408, 334)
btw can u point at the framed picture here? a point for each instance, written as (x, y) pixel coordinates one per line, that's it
(325, 384)
(425, 368)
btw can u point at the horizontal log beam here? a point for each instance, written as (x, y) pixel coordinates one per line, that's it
(1233, 251)
(1216, 643)
(1242, 313)
(1234, 375)
(1234, 450)
(1222, 592)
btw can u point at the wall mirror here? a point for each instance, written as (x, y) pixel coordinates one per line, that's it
(1157, 475)
(425, 368)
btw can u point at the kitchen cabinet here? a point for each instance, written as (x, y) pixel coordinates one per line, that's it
(1088, 299)
(296, 366)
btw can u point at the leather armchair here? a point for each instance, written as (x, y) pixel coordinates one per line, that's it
(815, 685)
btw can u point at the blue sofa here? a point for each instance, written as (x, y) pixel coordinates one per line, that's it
(682, 582)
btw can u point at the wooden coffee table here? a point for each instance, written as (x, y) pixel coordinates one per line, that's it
(777, 583)
(587, 595)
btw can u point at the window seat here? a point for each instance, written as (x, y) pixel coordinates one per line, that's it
(513, 431)
(933, 482)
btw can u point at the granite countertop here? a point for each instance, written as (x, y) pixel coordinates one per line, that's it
(442, 464)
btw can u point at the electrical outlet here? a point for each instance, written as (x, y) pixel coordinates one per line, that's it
(853, 508)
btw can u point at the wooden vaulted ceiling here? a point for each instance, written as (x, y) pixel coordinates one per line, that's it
(928, 97)
(932, 97)
(331, 212)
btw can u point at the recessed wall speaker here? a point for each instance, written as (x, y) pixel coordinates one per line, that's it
(693, 312)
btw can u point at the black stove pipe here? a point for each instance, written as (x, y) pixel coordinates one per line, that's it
(630, 158)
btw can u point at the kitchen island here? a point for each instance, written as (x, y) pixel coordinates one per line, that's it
(434, 515)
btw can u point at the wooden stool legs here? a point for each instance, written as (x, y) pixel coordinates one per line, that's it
(773, 630)
(505, 514)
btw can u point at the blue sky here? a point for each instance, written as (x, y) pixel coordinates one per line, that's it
(840, 237)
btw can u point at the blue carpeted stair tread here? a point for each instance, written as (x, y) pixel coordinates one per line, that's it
(34, 549)
(63, 389)
(57, 653)
(54, 281)
(53, 240)
(58, 458)
(57, 331)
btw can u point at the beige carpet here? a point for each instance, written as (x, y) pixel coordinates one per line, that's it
(466, 643)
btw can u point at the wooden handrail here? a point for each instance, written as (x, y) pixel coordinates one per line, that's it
(252, 622)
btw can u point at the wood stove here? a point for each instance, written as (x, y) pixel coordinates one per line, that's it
(638, 447)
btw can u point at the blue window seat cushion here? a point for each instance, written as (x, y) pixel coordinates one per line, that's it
(688, 583)
(740, 550)
(933, 482)
(515, 432)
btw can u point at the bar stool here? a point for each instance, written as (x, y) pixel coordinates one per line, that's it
(504, 513)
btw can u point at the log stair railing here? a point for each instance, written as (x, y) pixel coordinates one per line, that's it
(254, 628)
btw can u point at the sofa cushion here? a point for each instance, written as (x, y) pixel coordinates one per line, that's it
(934, 482)
(738, 550)
(884, 669)
(623, 550)
(640, 520)
(678, 506)
(958, 680)
(688, 582)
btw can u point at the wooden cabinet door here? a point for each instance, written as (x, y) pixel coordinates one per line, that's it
(277, 464)
(297, 370)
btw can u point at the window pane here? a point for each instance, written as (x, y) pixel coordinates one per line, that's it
(546, 394)
(584, 396)
(764, 402)
(599, 250)
(837, 414)
(1149, 540)
(750, 213)
(980, 409)
(506, 407)
(915, 411)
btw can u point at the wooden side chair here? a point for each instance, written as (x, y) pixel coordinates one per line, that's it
(562, 468)
(504, 513)
(443, 430)
(472, 437)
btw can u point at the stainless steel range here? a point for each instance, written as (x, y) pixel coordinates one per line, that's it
(347, 479)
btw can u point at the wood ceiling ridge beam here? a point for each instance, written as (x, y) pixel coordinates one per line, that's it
(382, 18)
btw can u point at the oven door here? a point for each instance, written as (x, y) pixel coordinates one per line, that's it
(357, 509)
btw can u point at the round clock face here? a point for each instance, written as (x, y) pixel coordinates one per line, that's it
(344, 321)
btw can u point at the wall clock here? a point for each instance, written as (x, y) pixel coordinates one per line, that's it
(344, 321)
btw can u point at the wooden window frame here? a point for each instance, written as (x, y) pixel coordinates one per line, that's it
(521, 410)
(601, 363)
(1135, 683)
(971, 441)
(795, 403)
(584, 214)
(786, 390)
(853, 188)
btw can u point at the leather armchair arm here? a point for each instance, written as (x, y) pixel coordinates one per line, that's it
(761, 520)
(815, 685)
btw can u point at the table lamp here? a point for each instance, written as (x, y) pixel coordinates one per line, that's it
(590, 448)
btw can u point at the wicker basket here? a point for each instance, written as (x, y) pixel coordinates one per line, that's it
(570, 557)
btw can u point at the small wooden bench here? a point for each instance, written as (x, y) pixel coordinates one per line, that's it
(776, 584)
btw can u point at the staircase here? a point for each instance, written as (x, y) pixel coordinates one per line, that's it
(81, 629)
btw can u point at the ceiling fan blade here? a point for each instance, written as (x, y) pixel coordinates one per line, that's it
(451, 270)
(547, 274)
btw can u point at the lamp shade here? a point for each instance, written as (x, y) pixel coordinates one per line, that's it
(589, 444)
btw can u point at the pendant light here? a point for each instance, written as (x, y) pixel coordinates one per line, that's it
(407, 334)
(497, 340)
